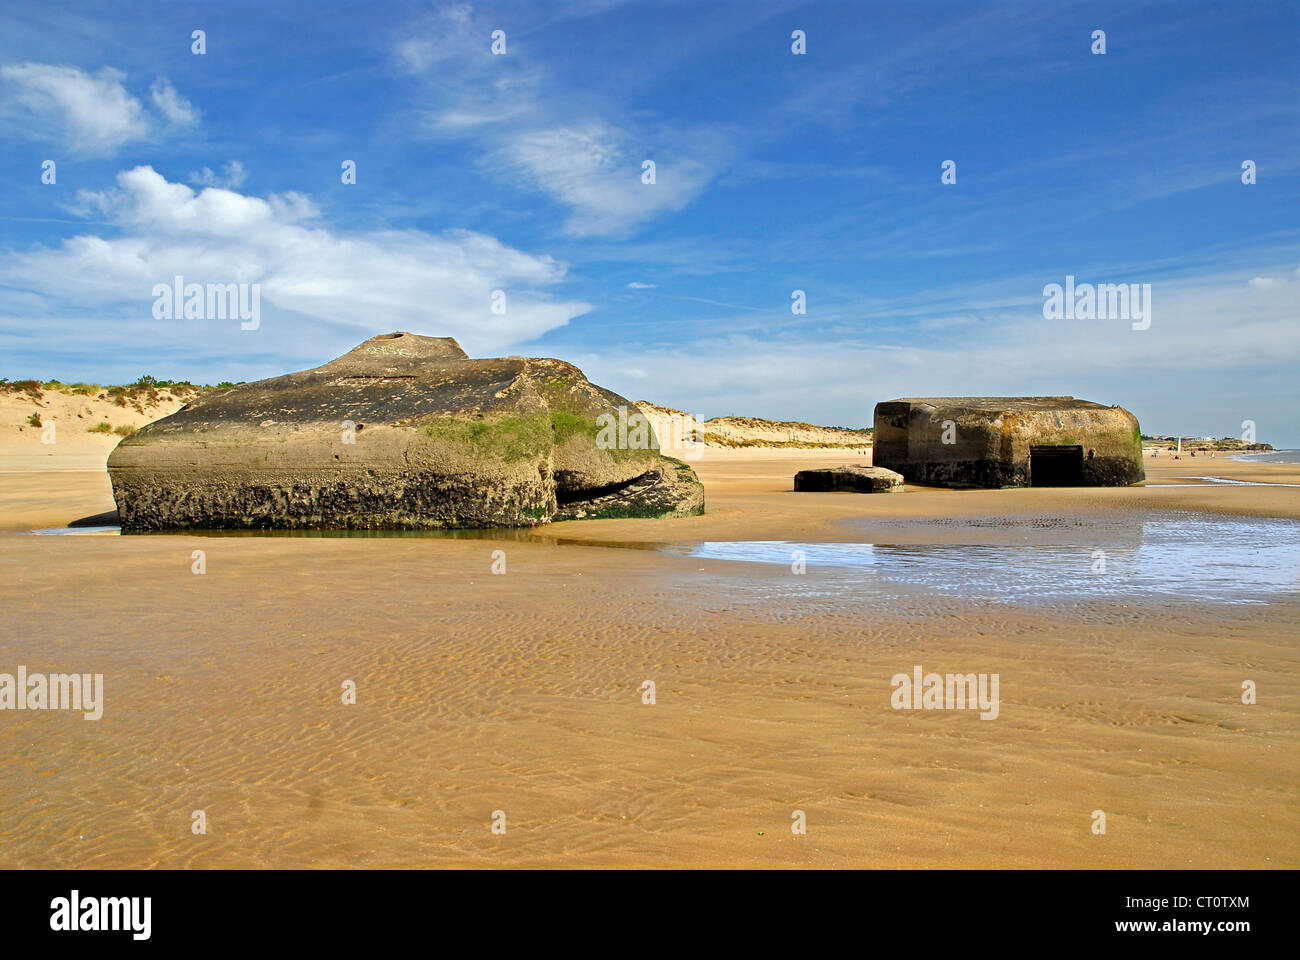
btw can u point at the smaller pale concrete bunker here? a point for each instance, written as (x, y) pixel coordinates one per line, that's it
(1008, 442)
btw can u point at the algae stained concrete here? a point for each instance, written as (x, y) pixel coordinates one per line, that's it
(1008, 442)
(403, 431)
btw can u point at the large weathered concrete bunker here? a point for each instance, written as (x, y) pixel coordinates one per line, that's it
(402, 431)
(1008, 442)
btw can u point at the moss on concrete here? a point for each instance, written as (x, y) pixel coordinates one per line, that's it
(509, 437)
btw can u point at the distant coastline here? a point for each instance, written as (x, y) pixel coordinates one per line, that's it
(1153, 442)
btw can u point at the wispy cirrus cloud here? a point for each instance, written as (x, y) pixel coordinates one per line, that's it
(595, 171)
(543, 138)
(232, 176)
(175, 108)
(1231, 337)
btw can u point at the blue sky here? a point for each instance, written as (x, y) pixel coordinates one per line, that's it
(775, 172)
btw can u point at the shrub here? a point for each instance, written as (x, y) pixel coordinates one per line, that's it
(30, 387)
(124, 430)
(34, 420)
(102, 427)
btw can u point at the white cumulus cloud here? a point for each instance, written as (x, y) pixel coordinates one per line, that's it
(312, 277)
(90, 113)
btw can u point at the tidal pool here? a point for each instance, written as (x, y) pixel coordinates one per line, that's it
(1192, 557)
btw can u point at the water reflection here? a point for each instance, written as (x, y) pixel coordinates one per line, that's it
(1214, 559)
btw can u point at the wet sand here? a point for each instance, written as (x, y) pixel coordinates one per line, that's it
(522, 693)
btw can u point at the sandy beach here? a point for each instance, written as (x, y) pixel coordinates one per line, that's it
(523, 692)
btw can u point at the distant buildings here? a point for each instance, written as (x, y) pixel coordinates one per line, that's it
(1160, 441)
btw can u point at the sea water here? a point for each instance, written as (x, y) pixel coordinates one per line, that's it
(1189, 557)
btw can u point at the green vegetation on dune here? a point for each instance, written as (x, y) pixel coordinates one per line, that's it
(146, 389)
(759, 422)
(717, 440)
(73, 389)
(30, 387)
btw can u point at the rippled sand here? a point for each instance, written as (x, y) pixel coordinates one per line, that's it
(522, 693)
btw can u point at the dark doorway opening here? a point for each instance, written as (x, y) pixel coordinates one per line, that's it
(1056, 466)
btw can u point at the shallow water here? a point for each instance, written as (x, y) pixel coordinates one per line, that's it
(1244, 483)
(1223, 482)
(1196, 558)
(76, 531)
(1271, 456)
(1153, 555)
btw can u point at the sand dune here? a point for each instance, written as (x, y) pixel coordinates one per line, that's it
(673, 426)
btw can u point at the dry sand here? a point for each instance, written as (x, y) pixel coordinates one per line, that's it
(522, 693)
